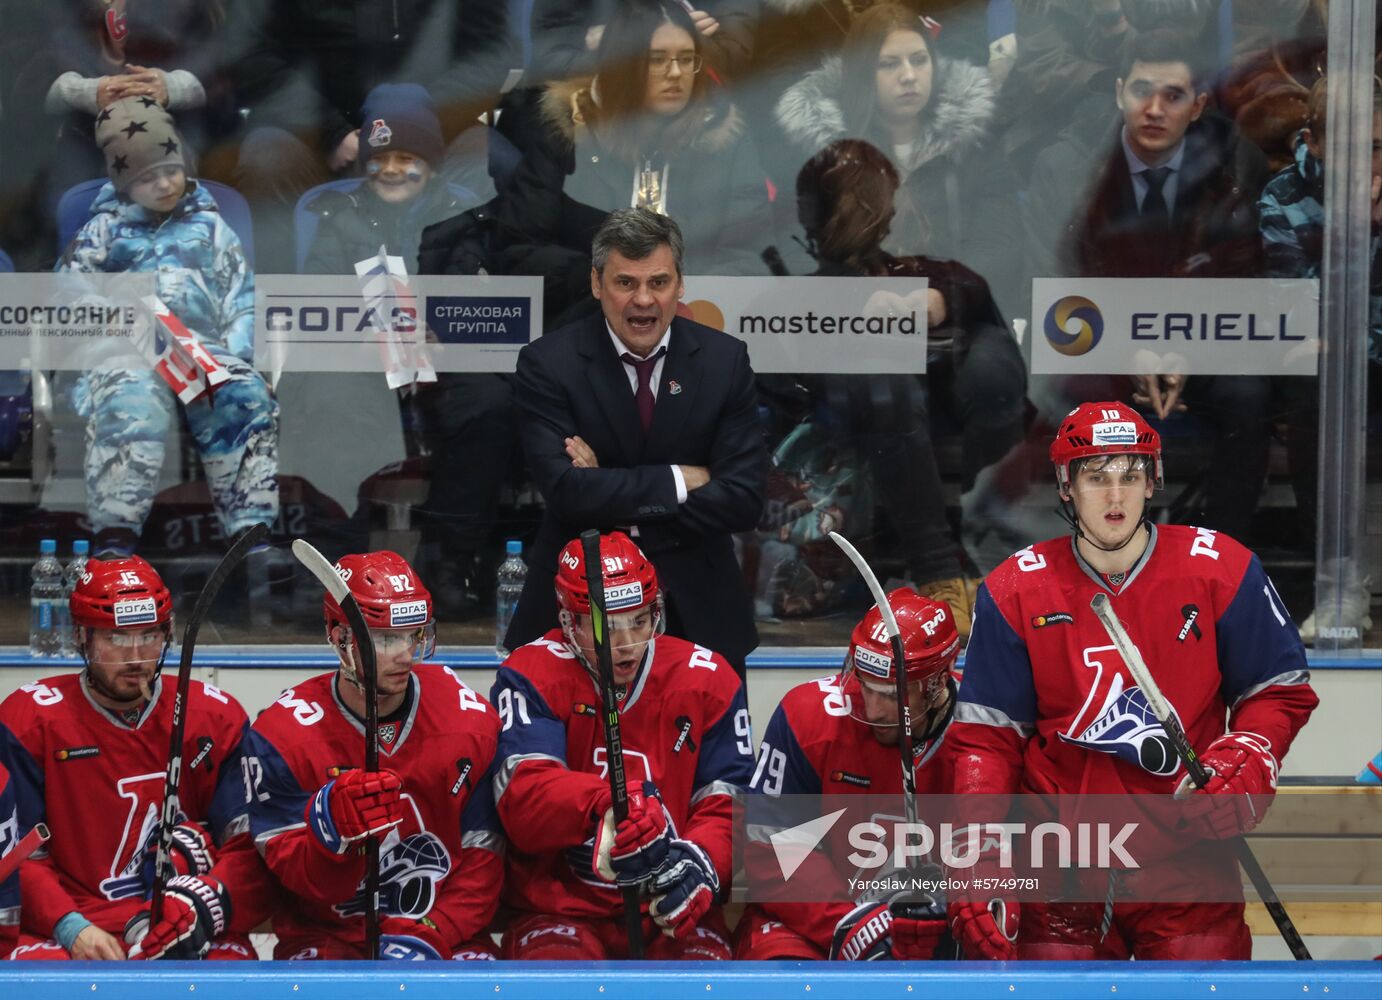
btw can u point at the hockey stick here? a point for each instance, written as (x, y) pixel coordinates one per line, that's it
(904, 704)
(168, 819)
(28, 845)
(327, 576)
(1161, 708)
(614, 739)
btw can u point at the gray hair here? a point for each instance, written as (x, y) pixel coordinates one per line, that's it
(636, 233)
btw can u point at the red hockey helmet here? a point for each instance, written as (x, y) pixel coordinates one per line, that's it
(629, 578)
(120, 593)
(389, 593)
(930, 642)
(1093, 429)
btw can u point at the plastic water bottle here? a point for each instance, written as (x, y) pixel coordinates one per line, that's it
(512, 572)
(45, 599)
(71, 576)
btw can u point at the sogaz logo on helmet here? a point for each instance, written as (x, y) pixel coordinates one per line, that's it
(1115, 433)
(135, 611)
(872, 663)
(626, 595)
(407, 613)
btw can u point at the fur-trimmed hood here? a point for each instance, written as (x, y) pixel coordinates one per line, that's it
(958, 119)
(570, 108)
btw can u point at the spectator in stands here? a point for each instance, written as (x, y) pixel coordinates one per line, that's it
(651, 130)
(932, 116)
(1164, 190)
(1292, 224)
(302, 69)
(975, 374)
(467, 418)
(94, 52)
(1067, 57)
(566, 36)
(400, 154)
(152, 217)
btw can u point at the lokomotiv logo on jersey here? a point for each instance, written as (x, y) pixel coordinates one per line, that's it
(410, 869)
(128, 878)
(1115, 718)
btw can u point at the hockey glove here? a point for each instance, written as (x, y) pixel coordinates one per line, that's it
(196, 910)
(356, 805)
(684, 891)
(911, 927)
(635, 850)
(402, 939)
(862, 935)
(191, 853)
(1241, 765)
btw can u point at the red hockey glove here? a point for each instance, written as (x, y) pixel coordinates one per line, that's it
(635, 850)
(1243, 775)
(684, 891)
(986, 928)
(919, 925)
(191, 853)
(356, 805)
(195, 912)
(402, 939)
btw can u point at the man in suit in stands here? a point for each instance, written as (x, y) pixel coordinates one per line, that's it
(642, 420)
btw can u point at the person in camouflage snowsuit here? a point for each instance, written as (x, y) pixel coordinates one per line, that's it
(152, 218)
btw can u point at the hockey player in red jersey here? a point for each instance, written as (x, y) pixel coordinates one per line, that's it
(838, 736)
(1048, 706)
(90, 749)
(431, 804)
(688, 753)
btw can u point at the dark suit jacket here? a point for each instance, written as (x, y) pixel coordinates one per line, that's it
(571, 382)
(1094, 227)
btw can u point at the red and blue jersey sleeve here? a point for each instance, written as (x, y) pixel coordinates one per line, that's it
(996, 708)
(785, 769)
(1266, 680)
(724, 768)
(228, 814)
(278, 824)
(543, 804)
(470, 895)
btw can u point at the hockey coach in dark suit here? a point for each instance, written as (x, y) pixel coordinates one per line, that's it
(642, 420)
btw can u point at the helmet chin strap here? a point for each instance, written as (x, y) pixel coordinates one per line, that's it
(94, 682)
(1067, 513)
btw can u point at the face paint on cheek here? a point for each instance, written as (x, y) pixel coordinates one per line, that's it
(373, 168)
(413, 173)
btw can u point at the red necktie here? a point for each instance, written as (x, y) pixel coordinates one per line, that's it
(643, 395)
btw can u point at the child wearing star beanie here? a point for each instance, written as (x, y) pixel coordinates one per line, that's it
(152, 217)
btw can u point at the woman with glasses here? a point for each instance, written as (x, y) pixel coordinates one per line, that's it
(652, 128)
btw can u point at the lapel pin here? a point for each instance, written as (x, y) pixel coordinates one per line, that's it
(673, 386)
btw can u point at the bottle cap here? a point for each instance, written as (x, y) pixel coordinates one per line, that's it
(48, 547)
(514, 547)
(81, 547)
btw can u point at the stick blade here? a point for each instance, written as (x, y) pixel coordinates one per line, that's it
(320, 567)
(871, 580)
